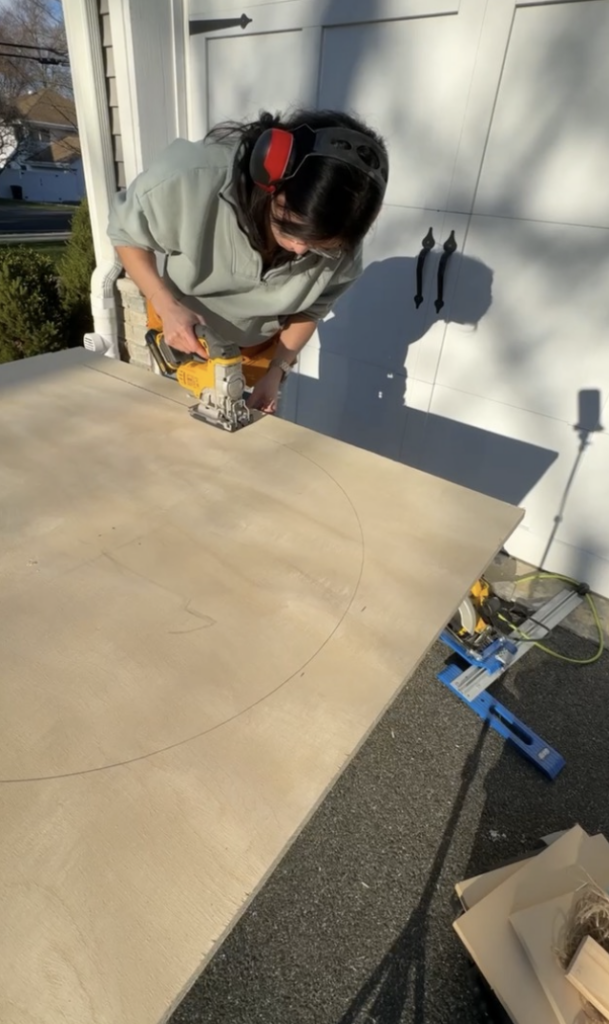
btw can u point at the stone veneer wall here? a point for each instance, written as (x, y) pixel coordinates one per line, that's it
(131, 314)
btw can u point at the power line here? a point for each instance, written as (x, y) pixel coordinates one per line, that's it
(56, 61)
(27, 46)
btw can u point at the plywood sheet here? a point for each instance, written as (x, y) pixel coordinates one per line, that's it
(471, 890)
(474, 889)
(198, 631)
(490, 939)
(539, 930)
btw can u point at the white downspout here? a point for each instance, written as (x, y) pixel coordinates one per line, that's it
(83, 32)
(104, 339)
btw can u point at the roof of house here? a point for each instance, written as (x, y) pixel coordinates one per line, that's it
(47, 107)
(60, 151)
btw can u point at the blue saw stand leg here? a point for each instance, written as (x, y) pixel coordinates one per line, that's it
(496, 714)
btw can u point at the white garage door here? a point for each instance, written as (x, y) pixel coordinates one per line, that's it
(493, 113)
(537, 368)
(405, 65)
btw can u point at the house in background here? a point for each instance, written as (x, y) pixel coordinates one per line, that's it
(43, 161)
(494, 112)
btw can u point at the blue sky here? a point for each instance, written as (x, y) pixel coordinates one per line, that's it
(55, 7)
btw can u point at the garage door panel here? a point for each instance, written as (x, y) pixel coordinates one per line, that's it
(548, 150)
(282, 14)
(403, 66)
(543, 337)
(550, 482)
(356, 402)
(378, 322)
(237, 90)
(444, 439)
(382, 71)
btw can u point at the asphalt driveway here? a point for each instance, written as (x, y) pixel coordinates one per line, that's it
(354, 926)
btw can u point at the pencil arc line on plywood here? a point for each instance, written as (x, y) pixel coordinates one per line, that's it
(159, 751)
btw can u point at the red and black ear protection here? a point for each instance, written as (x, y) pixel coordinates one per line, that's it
(270, 158)
(278, 154)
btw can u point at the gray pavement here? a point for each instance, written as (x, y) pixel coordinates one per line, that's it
(354, 926)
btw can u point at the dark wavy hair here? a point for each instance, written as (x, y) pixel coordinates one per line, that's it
(333, 200)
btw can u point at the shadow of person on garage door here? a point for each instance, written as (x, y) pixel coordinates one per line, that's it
(362, 392)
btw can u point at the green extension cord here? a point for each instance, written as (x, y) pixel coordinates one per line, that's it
(547, 650)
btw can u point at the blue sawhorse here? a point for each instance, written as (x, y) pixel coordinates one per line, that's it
(493, 663)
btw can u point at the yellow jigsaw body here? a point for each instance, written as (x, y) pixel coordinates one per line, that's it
(217, 382)
(197, 376)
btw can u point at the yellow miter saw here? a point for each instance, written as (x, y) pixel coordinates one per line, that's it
(217, 382)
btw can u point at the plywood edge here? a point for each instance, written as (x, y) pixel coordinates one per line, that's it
(135, 376)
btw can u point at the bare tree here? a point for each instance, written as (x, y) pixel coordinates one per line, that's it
(33, 57)
(8, 117)
(32, 37)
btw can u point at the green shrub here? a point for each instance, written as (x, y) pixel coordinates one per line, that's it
(44, 308)
(75, 269)
(32, 318)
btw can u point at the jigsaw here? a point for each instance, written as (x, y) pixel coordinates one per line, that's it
(216, 381)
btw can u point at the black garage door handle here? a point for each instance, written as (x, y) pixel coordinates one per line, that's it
(450, 247)
(428, 244)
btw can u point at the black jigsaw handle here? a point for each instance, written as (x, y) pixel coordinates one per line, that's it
(164, 356)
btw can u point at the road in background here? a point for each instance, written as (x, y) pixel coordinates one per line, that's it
(21, 219)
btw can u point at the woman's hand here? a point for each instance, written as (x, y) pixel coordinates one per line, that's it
(179, 324)
(265, 392)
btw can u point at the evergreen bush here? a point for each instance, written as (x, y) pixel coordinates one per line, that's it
(32, 317)
(75, 269)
